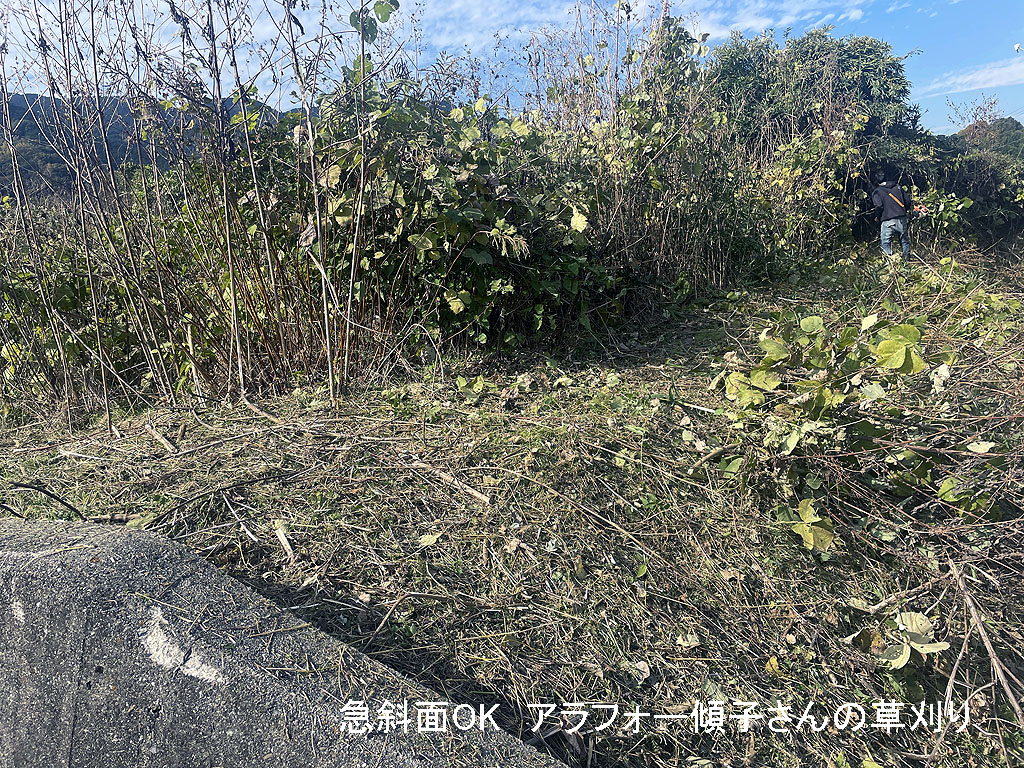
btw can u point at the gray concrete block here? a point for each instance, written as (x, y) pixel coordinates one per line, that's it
(118, 648)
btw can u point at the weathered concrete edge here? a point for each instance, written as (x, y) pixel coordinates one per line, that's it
(123, 649)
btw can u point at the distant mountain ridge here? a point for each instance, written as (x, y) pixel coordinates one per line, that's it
(35, 131)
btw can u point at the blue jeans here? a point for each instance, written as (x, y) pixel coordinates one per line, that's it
(892, 228)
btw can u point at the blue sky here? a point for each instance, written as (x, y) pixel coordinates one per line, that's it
(966, 47)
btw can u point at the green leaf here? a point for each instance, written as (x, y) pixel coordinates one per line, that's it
(749, 397)
(917, 623)
(847, 337)
(862, 639)
(914, 363)
(366, 25)
(579, 221)
(774, 349)
(816, 531)
(925, 645)
(421, 242)
(519, 128)
(731, 467)
(817, 536)
(479, 257)
(458, 302)
(791, 442)
(766, 380)
(891, 354)
(383, 10)
(897, 656)
(872, 391)
(947, 491)
(868, 322)
(806, 510)
(980, 446)
(813, 324)
(909, 334)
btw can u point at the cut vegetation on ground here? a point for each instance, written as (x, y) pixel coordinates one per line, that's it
(743, 501)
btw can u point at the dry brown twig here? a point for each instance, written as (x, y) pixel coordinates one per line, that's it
(997, 665)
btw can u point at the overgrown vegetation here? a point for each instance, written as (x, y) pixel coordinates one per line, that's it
(209, 245)
(592, 391)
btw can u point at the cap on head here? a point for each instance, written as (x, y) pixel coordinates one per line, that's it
(879, 177)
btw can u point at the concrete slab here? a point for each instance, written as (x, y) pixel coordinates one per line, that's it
(118, 649)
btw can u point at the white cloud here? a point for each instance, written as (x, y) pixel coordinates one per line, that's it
(455, 24)
(752, 16)
(995, 74)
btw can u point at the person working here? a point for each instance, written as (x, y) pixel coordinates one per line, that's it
(892, 205)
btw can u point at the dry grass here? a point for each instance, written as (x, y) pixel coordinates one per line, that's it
(565, 536)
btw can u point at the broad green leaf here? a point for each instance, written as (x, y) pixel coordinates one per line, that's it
(731, 467)
(774, 349)
(980, 446)
(862, 639)
(579, 221)
(817, 536)
(479, 257)
(914, 363)
(891, 354)
(749, 397)
(791, 442)
(421, 242)
(812, 324)
(917, 623)
(807, 511)
(366, 25)
(458, 301)
(847, 337)
(947, 491)
(383, 10)
(907, 333)
(872, 391)
(897, 656)
(925, 645)
(766, 380)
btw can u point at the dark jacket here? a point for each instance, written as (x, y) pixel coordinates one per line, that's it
(890, 201)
